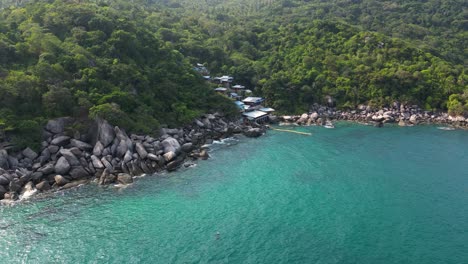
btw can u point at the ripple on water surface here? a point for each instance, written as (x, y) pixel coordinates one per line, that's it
(353, 194)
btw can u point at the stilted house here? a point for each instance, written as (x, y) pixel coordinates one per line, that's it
(221, 90)
(256, 116)
(224, 80)
(253, 101)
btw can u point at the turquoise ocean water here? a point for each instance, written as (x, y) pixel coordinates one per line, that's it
(353, 194)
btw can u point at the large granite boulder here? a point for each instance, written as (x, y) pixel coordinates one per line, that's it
(15, 185)
(60, 141)
(97, 162)
(29, 153)
(43, 186)
(106, 133)
(81, 145)
(60, 180)
(303, 119)
(98, 149)
(62, 166)
(187, 147)
(3, 158)
(78, 172)
(47, 169)
(142, 151)
(124, 178)
(253, 132)
(70, 156)
(121, 148)
(4, 180)
(171, 144)
(55, 126)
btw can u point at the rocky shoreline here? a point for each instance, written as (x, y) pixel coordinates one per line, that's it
(108, 155)
(403, 115)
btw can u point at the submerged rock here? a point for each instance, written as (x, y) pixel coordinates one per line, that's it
(60, 180)
(124, 178)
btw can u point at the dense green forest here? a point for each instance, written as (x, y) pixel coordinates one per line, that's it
(130, 61)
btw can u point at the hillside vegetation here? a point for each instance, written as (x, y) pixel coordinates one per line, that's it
(130, 61)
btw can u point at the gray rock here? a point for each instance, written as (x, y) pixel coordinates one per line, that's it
(124, 167)
(169, 131)
(45, 155)
(128, 156)
(98, 148)
(73, 184)
(135, 168)
(13, 162)
(106, 133)
(76, 151)
(62, 166)
(36, 166)
(24, 175)
(170, 144)
(26, 163)
(60, 180)
(53, 149)
(15, 185)
(78, 173)
(253, 132)
(60, 141)
(37, 176)
(124, 178)
(151, 156)
(29, 153)
(3, 159)
(141, 150)
(55, 126)
(106, 178)
(173, 165)
(187, 147)
(71, 158)
(80, 144)
(4, 180)
(107, 164)
(121, 148)
(96, 162)
(146, 169)
(107, 151)
(47, 169)
(199, 123)
(43, 186)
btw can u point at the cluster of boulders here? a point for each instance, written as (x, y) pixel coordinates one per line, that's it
(107, 154)
(403, 115)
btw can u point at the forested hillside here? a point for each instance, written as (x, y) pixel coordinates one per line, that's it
(129, 61)
(78, 59)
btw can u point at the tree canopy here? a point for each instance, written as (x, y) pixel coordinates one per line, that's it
(131, 61)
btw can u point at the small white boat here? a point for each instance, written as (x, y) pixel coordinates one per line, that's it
(329, 124)
(446, 128)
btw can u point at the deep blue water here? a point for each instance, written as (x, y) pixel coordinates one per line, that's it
(353, 194)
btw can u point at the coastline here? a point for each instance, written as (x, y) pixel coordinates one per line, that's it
(397, 114)
(107, 155)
